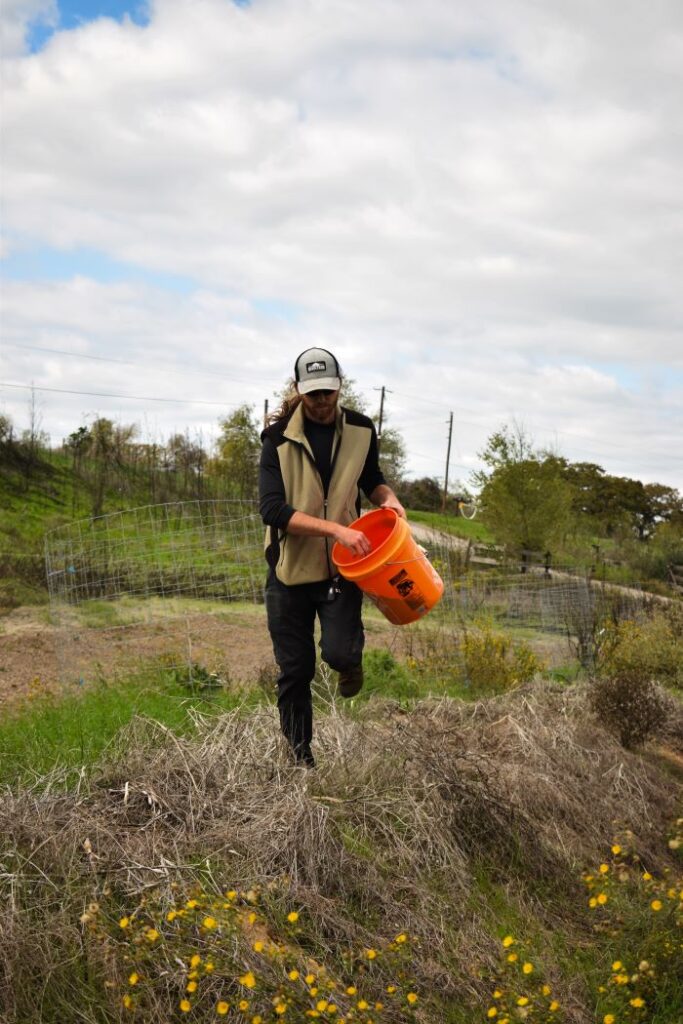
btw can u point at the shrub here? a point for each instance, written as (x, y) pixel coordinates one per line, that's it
(630, 705)
(648, 649)
(494, 663)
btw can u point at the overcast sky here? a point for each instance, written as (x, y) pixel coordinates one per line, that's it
(479, 207)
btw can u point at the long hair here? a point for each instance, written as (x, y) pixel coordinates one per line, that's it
(288, 403)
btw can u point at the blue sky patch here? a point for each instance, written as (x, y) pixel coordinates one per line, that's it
(48, 264)
(74, 13)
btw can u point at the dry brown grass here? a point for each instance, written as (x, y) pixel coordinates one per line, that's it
(393, 831)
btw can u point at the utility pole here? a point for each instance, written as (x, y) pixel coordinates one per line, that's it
(448, 459)
(382, 391)
(265, 413)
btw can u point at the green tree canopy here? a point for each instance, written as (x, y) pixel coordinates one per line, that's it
(238, 448)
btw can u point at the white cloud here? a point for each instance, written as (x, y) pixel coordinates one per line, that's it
(15, 18)
(482, 206)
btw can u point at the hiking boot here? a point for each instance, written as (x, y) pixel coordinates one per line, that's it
(351, 681)
(304, 757)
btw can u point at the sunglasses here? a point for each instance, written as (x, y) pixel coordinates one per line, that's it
(326, 392)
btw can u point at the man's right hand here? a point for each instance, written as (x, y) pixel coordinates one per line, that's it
(354, 540)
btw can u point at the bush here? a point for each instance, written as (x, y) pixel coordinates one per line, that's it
(493, 663)
(651, 649)
(632, 706)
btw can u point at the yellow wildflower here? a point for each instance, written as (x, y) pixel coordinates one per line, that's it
(546, 990)
(171, 916)
(124, 922)
(243, 1004)
(592, 902)
(293, 975)
(508, 941)
(512, 957)
(191, 904)
(609, 1018)
(527, 968)
(321, 1005)
(362, 1005)
(151, 935)
(371, 954)
(222, 1008)
(280, 1009)
(412, 997)
(248, 980)
(195, 960)
(522, 1001)
(127, 1002)
(390, 989)
(616, 849)
(617, 965)
(309, 979)
(210, 923)
(602, 898)
(637, 1002)
(554, 1006)
(191, 986)
(656, 905)
(402, 937)
(185, 1005)
(492, 1012)
(603, 869)
(292, 916)
(208, 967)
(133, 978)
(351, 990)
(647, 877)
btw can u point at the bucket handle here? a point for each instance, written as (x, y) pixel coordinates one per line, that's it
(407, 561)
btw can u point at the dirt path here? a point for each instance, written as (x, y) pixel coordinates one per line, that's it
(37, 657)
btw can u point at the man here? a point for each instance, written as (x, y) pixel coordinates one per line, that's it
(316, 456)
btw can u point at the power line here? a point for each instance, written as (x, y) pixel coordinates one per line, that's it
(111, 394)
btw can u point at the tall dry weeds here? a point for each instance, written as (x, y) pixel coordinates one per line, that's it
(392, 832)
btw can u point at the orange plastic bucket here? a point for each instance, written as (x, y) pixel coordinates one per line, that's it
(396, 574)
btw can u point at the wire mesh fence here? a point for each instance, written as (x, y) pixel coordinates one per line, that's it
(157, 584)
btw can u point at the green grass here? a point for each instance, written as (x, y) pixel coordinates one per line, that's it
(470, 529)
(73, 730)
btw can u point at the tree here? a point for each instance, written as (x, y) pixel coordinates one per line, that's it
(238, 448)
(525, 499)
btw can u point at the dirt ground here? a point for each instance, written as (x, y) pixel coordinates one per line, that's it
(36, 656)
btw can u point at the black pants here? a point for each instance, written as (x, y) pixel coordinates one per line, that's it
(291, 620)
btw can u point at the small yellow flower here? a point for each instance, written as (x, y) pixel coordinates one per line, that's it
(609, 1018)
(647, 877)
(603, 869)
(602, 898)
(191, 986)
(621, 979)
(522, 1001)
(251, 918)
(191, 904)
(185, 1005)
(292, 916)
(554, 1006)
(497, 994)
(127, 1002)
(309, 979)
(258, 1019)
(402, 937)
(151, 935)
(248, 980)
(390, 989)
(321, 1005)
(222, 1008)
(124, 922)
(656, 905)
(592, 902)
(208, 967)
(616, 849)
(637, 1002)
(412, 997)
(351, 990)
(293, 975)
(210, 923)
(243, 1004)
(492, 1012)
(230, 894)
(133, 978)
(258, 946)
(195, 960)
(512, 957)
(171, 916)
(508, 941)
(371, 954)
(280, 1009)
(527, 968)
(617, 965)
(362, 1005)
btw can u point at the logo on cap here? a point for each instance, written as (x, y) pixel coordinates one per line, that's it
(315, 367)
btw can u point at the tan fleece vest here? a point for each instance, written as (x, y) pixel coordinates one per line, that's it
(309, 559)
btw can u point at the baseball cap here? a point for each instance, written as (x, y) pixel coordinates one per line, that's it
(317, 369)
